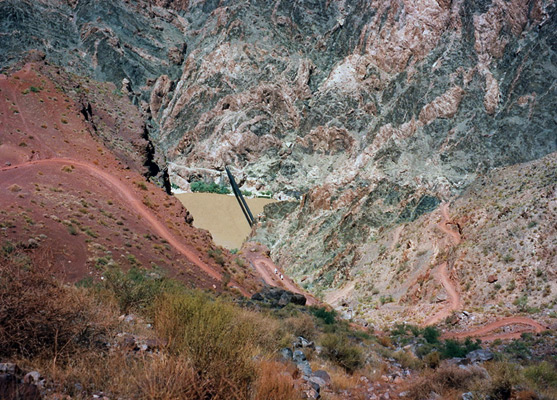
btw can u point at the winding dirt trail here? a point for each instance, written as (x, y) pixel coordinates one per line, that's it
(136, 204)
(452, 294)
(483, 332)
(442, 274)
(455, 302)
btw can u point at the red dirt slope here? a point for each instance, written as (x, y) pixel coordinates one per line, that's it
(64, 192)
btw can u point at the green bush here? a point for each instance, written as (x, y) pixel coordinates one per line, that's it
(209, 188)
(433, 359)
(521, 303)
(431, 334)
(518, 350)
(386, 299)
(338, 349)
(134, 290)
(453, 348)
(216, 254)
(328, 317)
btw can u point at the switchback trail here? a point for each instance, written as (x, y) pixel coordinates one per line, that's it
(136, 204)
(442, 273)
(483, 332)
(455, 303)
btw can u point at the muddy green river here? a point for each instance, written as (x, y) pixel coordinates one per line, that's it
(222, 216)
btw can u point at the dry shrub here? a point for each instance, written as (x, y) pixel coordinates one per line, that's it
(433, 359)
(40, 316)
(301, 325)
(385, 341)
(504, 375)
(90, 371)
(543, 377)
(340, 380)
(126, 375)
(347, 385)
(166, 378)
(446, 379)
(337, 348)
(219, 339)
(274, 382)
(408, 359)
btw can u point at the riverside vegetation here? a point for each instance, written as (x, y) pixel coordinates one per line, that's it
(138, 334)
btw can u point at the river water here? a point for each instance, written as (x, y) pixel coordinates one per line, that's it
(222, 216)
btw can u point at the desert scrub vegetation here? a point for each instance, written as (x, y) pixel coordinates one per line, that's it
(429, 347)
(209, 348)
(40, 317)
(220, 340)
(338, 348)
(499, 380)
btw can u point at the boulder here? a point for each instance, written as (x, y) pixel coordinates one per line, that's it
(8, 368)
(298, 299)
(304, 368)
(317, 381)
(33, 377)
(304, 343)
(278, 297)
(257, 297)
(480, 355)
(441, 297)
(492, 278)
(12, 388)
(315, 386)
(286, 353)
(299, 356)
(323, 375)
(285, 298)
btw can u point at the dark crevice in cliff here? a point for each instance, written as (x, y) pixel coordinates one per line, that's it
(153, 169)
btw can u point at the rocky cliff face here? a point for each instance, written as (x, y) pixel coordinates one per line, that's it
(369, 113)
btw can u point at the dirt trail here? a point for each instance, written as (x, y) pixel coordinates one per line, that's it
(455, 302)
(266, 268)
(446, 220)
(453, 296)
(256, 254)
(136, 204)
(442, 274)
(483, 332)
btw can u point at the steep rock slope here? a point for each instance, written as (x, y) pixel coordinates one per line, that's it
(496, 244)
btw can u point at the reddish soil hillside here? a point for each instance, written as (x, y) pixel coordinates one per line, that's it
(72, 189)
